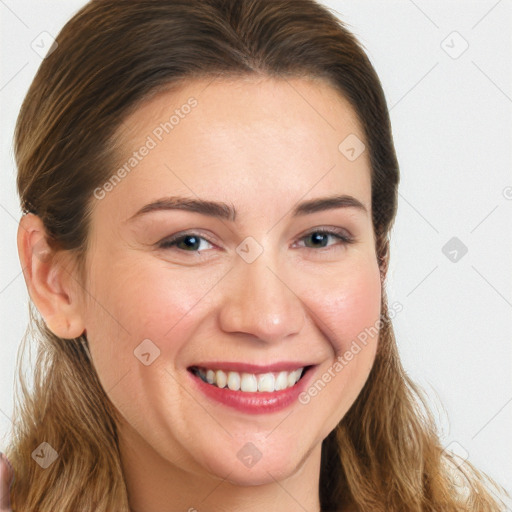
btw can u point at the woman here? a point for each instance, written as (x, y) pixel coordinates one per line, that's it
(208, 189)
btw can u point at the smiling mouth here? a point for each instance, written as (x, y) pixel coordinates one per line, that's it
(250, 382)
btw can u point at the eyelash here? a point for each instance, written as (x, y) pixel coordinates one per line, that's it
(339, 234)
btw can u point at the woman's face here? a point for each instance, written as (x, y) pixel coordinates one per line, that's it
(262, 288)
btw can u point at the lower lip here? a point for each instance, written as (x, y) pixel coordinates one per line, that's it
(254, 402)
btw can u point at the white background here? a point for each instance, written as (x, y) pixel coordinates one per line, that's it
(451, 118)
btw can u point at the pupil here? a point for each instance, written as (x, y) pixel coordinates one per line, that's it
(192, 241)
(319, 237)
(192, 244)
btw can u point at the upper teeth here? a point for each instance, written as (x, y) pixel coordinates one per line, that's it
(250, 382)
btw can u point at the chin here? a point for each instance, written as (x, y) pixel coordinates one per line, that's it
(262, 476)
(260, 473)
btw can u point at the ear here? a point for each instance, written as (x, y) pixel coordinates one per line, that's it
(50, 279)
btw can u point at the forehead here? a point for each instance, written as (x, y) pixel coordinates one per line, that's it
(238, 138)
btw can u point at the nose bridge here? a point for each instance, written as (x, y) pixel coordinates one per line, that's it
(259, 301)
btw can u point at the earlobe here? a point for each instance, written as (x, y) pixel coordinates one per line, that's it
(49, 278)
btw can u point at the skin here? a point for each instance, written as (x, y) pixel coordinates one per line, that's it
(6, 479)
(261, 145)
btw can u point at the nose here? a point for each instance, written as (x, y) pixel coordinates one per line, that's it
(259, 301)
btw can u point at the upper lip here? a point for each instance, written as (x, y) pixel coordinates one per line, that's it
(286, 366)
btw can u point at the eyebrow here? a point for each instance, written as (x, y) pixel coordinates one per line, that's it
(228, 212)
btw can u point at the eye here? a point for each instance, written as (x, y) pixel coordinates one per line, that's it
(189, 242)
(320, 238)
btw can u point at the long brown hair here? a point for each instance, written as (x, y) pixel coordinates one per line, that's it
(385, 454)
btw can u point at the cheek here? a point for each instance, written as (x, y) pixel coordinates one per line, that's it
(348, 313)
(137, 303)
(349, 308)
